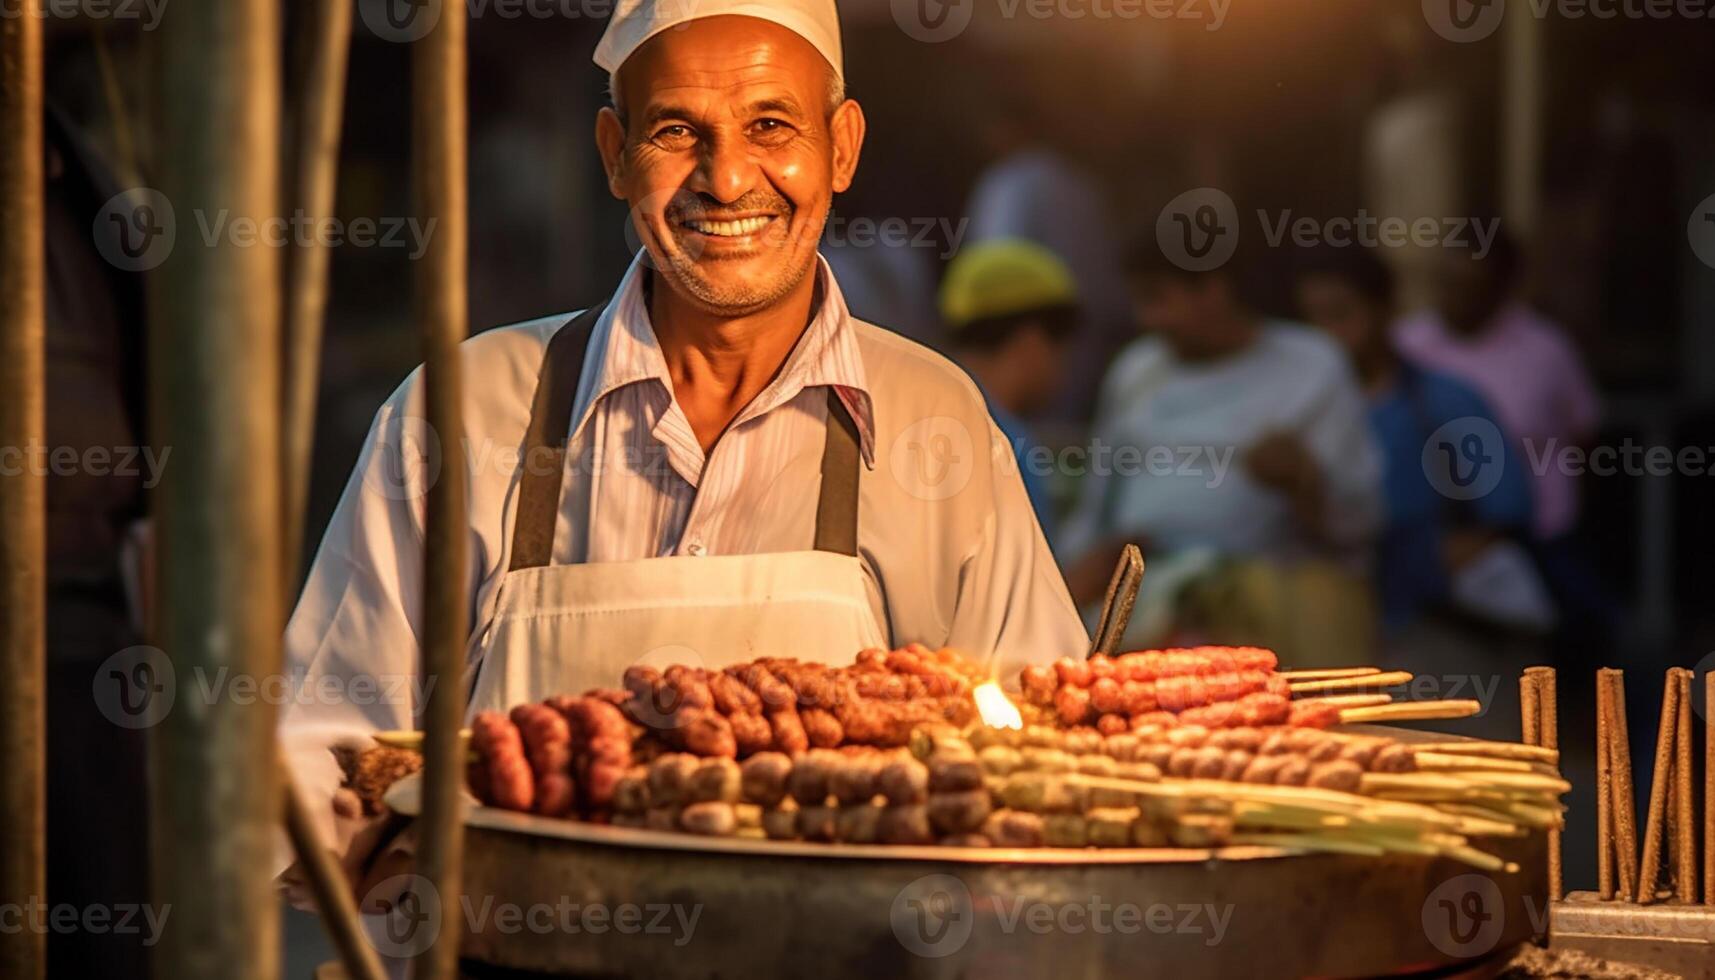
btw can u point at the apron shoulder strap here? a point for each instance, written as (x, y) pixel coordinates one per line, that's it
(544, 456)
(837, 507)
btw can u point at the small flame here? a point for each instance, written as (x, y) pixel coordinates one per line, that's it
(997, 711)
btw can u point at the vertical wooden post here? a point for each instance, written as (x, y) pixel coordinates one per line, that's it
(316, 168)
(215, 383)
(23, 580)
(438, 160)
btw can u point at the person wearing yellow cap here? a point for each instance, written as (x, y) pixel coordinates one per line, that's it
(715, 463)
(1009, 306)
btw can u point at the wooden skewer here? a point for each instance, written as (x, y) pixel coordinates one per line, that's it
(1494, 750)
(1439, 761)
(1685, 819)
(1412, 711)
(1625, 796)
(1350, 700)
(1548, 707)
(1663, 775)
(1604, 791)
(1328, 674)
(1361, 682)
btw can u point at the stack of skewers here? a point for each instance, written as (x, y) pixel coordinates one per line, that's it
(1186, 748)
(1184, 787)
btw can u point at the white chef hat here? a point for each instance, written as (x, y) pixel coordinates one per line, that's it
(636, 21)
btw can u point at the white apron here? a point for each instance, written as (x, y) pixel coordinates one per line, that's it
(562, 629)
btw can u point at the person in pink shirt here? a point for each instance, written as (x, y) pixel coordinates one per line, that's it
(1521, 363)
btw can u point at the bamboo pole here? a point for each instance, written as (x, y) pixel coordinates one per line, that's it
(1659, 781)
(215, 379)
(1605, 835)
(314, 177)
(23, 821)
(1684, 818)
(331, 889)
(438, 158)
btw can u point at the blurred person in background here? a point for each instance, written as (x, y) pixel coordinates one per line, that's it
(1523, 365)
(1435, 551)
(1241, 443)
(1031, 190)
(1009, 307)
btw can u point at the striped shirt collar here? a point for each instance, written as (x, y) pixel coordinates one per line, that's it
(624, 351)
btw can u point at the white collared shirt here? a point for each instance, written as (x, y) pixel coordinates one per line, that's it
(950, 547)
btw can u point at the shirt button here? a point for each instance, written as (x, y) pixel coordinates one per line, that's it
(695, 549)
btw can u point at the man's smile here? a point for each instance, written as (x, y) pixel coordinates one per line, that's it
(738, 226)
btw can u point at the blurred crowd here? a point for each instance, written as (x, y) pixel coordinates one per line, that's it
(1351, 476)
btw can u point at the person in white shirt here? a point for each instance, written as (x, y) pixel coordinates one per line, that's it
(1223, 431)
(716, 464)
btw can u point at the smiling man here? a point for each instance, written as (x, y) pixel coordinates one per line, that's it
(718, 462)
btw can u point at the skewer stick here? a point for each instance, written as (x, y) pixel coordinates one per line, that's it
(1328, 673)
(1391, 678)
(1412, 711)
(1447, 761)
(1604, 791)
(1548, 707)
(1350, 700)
(1684, 819)
(1493, 750)
(1659, 781)
(1709, 788)
(1625, 796)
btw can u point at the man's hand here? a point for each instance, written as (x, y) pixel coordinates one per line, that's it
(1280, 462)
(1088, 577)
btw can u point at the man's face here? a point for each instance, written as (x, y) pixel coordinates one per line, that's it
(1336, 306)
(1042, 353)
(729, 156)
(1468, 291)
(1179, 311)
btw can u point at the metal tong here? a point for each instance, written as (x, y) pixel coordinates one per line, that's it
(1121, 597)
